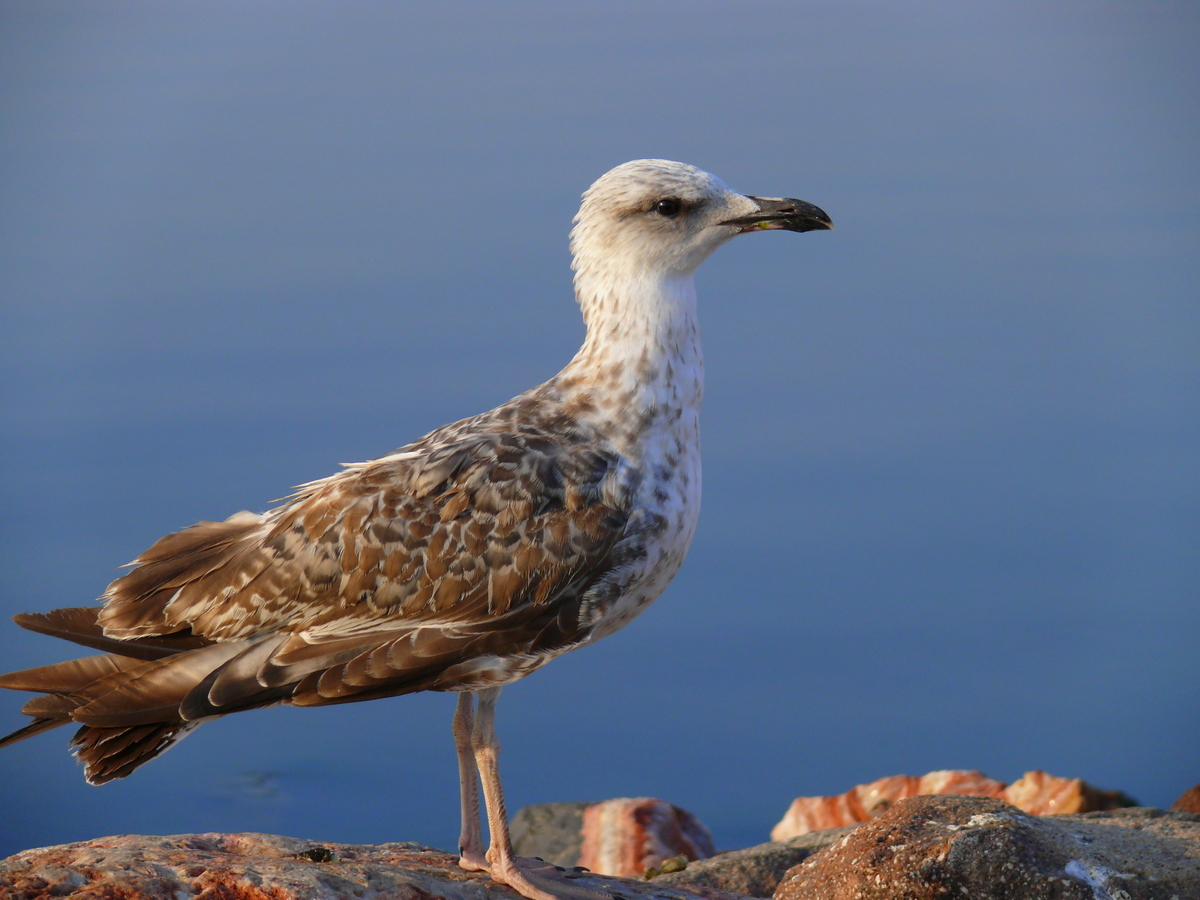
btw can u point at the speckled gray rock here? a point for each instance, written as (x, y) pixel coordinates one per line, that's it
(948, 846)
(550, 831)
(755, 871)
(268, 867)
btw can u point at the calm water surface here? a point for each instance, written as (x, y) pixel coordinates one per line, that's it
(950, 448)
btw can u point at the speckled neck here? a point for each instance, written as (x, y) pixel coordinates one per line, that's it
(641, 363)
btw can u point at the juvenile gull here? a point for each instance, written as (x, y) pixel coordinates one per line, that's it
(461, 562)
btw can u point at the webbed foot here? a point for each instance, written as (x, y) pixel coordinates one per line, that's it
(537, 879)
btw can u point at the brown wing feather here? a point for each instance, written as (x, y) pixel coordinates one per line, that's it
(69, 676)
(393, 576)
(79, 625)
(466, 532)
(175, 564)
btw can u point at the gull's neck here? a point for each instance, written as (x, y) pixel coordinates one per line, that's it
(640, 366)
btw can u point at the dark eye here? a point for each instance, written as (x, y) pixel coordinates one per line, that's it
(668, 207)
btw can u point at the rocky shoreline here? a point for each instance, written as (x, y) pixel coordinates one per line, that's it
(908, 848)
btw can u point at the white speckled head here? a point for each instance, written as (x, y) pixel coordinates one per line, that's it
(654, 216)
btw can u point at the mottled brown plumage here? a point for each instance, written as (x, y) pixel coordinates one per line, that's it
(479, 542)
(460, 562)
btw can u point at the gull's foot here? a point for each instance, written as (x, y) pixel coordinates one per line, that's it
(472, 861)
(539, 880)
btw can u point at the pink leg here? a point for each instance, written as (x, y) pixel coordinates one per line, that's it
(530, 878)
(470, 839)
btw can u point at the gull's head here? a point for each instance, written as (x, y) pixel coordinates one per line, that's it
(653, 216)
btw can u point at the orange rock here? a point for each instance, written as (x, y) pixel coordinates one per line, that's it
(874, 798)
(1189, 800)
(1036, 792)
(867, 800)
(965, 782)
(1044, 795)
(628, 836)
(1048, 795)
(818, 813)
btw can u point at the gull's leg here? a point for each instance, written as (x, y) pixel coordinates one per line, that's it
(470, 839)
(530, 878)
(487, 758)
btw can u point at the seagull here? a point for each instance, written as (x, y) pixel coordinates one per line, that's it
(461, 562)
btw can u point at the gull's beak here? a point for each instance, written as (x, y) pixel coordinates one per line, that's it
(782, 213)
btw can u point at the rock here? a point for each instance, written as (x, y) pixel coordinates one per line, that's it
(549, 831)
(986, 849)
(1036, 792)
(866, 800)
(628, 836)
(268, 867)
(1189, 800)
(623, 837)
(1048, 795)
(755, 871)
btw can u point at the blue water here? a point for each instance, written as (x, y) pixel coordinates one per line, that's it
(951, 500)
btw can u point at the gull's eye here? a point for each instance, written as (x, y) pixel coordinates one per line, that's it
(668, 207)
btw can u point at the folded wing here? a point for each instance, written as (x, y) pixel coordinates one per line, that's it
(448, 565)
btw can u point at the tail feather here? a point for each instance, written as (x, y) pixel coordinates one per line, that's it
(115, 740)
(37, 726)
(130, 700)
(111, 753)
(133, 709)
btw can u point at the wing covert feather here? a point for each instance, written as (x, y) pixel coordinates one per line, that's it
(454, 534)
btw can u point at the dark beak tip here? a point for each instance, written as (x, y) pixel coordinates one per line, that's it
(810, 217)
(803, 223)
(785, 214)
